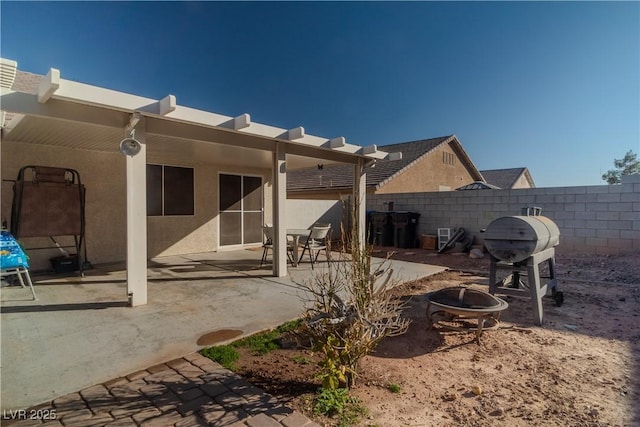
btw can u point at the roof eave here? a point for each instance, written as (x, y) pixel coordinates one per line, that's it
(473, 170)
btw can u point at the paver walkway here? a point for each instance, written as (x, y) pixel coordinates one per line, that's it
(189, 391)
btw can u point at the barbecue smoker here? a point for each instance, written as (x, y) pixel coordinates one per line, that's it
(520, 244)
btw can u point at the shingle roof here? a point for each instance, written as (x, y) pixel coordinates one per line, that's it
(26, 82)
(23, 82)
(341, 176)
(505, 178)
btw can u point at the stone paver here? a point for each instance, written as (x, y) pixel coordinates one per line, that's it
(263, 420)
(189, 391)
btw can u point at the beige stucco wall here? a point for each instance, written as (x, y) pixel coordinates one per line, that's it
(521, 182)
(104, 176)
(428, 174)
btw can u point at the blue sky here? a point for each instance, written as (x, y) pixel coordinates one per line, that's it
(554, 86)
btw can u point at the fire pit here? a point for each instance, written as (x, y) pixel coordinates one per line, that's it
(451, 307)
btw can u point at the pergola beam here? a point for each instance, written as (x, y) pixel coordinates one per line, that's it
(212, 134)
(242, 121)
(167, 105)
(337, 142)
(48, 85)
(370, 149)
(394, 156)
(293, 134)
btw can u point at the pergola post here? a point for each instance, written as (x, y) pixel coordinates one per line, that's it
(137, 221)
(279, 207)
(360, 201)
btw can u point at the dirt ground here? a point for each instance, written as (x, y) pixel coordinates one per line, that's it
(581, 368)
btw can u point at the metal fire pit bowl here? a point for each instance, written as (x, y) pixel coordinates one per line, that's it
(449, 308)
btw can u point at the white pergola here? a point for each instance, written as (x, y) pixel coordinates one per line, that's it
(64, 112)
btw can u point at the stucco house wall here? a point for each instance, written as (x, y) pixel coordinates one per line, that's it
(521, 182)
(430, 173)
(103, 175)
(434, 164)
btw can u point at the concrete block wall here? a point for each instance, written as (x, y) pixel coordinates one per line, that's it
(600, 219)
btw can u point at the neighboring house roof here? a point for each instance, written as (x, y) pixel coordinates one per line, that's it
(478, 185)
(26, 82)
(341, 176)
(21, 82)
(506, 178)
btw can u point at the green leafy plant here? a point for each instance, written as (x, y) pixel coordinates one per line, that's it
(628, 165)
(261, 343)
(225, 355)
(337, 403)
(265, 342)
(290, 326)
(301, 360)
(331, 401)
(352, 413)
(394, 388)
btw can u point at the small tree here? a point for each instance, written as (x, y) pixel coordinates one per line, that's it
(350, 309)
(628, 165)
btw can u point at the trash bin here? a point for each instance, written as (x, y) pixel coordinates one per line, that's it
(382, 229)
(405, 228)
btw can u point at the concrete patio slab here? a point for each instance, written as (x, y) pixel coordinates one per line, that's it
(80, 332)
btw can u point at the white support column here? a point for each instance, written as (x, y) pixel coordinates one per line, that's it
(360, 200)
(137, 221)
(279, 208)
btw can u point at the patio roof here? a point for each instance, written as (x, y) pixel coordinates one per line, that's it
(62, 112)
(66, 112)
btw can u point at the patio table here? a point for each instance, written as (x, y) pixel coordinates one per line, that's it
(296, 233)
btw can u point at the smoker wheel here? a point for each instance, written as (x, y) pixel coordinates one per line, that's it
(558, 297)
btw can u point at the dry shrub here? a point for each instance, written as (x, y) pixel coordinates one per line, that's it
(349, 309)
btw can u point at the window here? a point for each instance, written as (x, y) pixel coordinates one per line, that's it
(169, 190)
(448, 158)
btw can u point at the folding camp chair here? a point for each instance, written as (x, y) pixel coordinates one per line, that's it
(318, 241)
(267, 230)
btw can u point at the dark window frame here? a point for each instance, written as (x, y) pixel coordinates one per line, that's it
(179, 201)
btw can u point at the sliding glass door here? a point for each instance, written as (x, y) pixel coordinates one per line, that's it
(241, 208)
